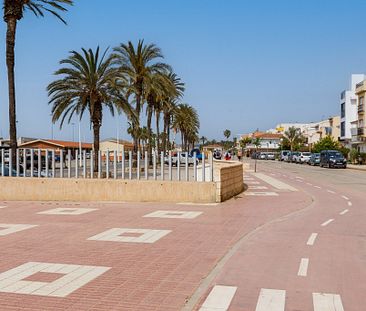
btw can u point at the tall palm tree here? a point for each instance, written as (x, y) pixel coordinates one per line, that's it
(227, 134)
(186, 121)
(13, 12)
(139, 64)
(89, 82)
(203, 139)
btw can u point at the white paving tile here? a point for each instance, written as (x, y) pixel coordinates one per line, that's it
(327, 302)
(219, 298)
(173, 214)
(72, 277)
(68, 211)
(122, 235)
(3, 206)
(6, 229)
(271, 300)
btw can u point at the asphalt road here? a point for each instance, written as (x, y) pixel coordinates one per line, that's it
(311, 259)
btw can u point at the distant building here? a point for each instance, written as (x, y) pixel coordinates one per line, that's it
(112, 144)
(269, 142)
(349, 113)
(359, 132)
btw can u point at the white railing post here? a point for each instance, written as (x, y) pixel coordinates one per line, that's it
(24, 162)
(46, 160)
(211, 167)
(170, 175)
(115, 164)
(154, 164)
(10, 163)
(76, 164)
(39, 165)
(138, 164)
(91, 164)
(61, 163)
(69, 163)
(2, 162)
(53, 164)
(203, 168)
(84, 163)
(162, 173)
(123, 162)
(99, 163)
(17, 164)
(195, 166)
(32, 162)
(146, 166)
(187, 166)
(178, 166)
(107, 164)
(130, 164)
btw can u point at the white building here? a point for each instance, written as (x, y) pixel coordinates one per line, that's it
(349, 112)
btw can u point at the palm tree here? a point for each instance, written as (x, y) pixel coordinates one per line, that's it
(203, 139)
(88, 82)
(139, 64)
(293, 137)
(227, 134)
(13, 12)
(186, 121)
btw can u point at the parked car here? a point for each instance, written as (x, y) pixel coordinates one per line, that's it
(303, 157)
(270, 156)
(262, 156)
(217, 154)
(7, 171)
(283, 155)
(332, 158)
(182, 159)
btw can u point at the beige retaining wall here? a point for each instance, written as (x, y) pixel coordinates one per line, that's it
(228, 183)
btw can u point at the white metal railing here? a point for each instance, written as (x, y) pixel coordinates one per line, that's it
(45, 163)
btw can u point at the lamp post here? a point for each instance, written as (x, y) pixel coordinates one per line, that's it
(80, 162)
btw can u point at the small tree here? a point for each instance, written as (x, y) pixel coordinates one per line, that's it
(293, 138)
(326, 143)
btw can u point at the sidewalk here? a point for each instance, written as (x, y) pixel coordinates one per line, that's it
(357, 167)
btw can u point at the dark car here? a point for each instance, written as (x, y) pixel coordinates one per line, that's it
(314, 159)
(198, 153)
(332, 158)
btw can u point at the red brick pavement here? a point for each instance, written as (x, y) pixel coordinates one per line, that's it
(159, 276)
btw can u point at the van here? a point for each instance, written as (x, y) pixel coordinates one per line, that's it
(332, 158)
(283, 155)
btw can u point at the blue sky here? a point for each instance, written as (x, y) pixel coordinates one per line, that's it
(246, 64)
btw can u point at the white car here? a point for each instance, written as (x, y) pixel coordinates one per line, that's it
(182, 159)
(303, 157)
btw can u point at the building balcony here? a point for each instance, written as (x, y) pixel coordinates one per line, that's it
(361, 131)
(361, 87)
(361, 108)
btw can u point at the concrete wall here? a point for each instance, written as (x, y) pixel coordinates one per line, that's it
(57, 189)
(228, 178)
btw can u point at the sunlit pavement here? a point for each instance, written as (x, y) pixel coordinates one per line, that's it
(298, 239)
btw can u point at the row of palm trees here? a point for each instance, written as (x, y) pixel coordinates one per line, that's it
(130, 79)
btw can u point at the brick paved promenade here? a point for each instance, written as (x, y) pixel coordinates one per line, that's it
(91, 256)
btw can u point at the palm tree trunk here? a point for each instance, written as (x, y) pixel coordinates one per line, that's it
(149, 117)
(136, 124)
(96, 132)
(157, 115)
(10, 63)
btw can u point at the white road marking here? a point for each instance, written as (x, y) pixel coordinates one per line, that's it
(312, 239)
(349, 203)
(257, 187)
(303, 268)
(317, 187)
(274, 194)
(327, 302)
(3, 206)
(68, 211)
(298, 177)
(173, 214)
(219, 298)
(6, 229)
(271, 300)
(344, 212)
(275, 182)
(331, 191)
(310, 184)
(253, 183)
(344, 197)
(327, 222)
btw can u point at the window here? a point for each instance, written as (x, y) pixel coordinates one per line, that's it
(343, 110)
(343, 129)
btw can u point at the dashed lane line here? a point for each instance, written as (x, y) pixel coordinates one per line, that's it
(331, 191)
(349, 203)
(312, 239)
(271, 300)
(303, 268)
(219, 298)
(318, 187)
(344, 197)
(326, 223)
(344, 212)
